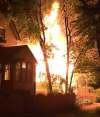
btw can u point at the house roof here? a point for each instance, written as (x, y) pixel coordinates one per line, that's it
(14, 53)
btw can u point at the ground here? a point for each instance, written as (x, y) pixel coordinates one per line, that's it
(21, 104)
(90, 106)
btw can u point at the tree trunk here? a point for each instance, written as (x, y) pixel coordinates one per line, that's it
(42, 44)
(14, 30)
(67, 52)
(47, 69)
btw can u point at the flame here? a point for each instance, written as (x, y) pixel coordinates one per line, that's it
(53, 35)
(53, 32)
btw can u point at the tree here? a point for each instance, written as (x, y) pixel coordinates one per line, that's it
(95, 80)
(74, 43)
(88, 21)
(25, 19)
(87, 25)
(69, 16)
(43, 46)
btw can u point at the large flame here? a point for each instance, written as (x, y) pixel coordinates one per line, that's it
(53, 35)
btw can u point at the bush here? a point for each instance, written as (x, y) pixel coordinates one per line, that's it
(53, 103)
(97, 92)
(97, 95)
(98, 99)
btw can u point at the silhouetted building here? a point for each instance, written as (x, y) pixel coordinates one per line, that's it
(17, 68)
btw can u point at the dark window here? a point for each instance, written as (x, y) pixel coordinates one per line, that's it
(0, 73)
(18, 72)
(29, 72)
(2, 35)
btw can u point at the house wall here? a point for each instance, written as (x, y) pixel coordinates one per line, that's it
(28, 83)
(10, 39)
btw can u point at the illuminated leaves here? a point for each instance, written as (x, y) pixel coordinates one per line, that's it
(88, 20)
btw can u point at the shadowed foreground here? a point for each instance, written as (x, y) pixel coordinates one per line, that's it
(22, 104)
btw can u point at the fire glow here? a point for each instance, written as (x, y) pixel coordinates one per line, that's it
(53, 35)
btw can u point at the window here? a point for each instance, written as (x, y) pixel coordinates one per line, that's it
(23, 65)
(21, 72)
(18, 71)
(2, 34)
(0, 73)
(7, 72)
(24, 72)
(29, 72)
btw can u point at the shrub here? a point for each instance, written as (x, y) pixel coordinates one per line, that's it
(98, 99)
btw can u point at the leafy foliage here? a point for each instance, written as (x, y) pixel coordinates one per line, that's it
(24, 13)
(95, 81)
(88, 20)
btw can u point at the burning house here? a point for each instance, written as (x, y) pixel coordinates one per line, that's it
(17, 68)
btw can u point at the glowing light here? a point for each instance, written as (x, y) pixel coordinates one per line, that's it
(24, 65)
(53, 32)
(36, 50)
(53, 35)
